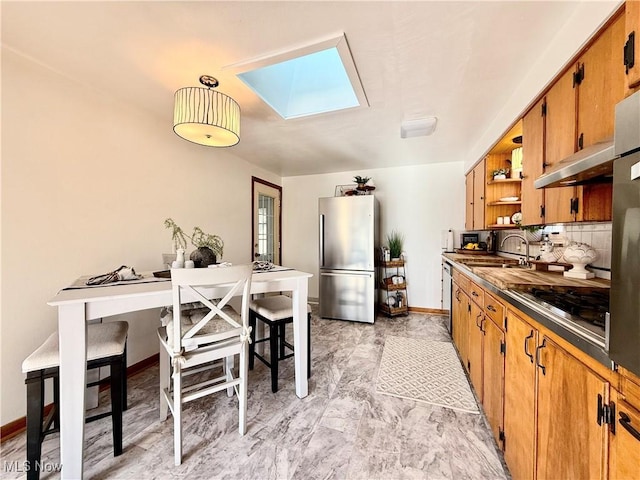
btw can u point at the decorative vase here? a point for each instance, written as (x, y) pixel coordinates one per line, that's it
(203, 257)
(179, 258)
(580, 255)
(532, 236)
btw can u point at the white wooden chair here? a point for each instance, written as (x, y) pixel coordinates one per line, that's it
(212, 335)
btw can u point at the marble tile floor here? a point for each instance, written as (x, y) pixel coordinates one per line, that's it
(342, 430)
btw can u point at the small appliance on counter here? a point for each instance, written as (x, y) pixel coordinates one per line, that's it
(492, 242)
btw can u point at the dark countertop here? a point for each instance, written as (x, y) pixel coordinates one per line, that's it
(507, 282)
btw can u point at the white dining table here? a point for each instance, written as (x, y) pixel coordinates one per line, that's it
(77, 306)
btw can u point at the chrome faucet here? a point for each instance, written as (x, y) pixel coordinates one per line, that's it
(524, 239)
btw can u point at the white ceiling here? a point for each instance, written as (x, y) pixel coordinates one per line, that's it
(457, 61)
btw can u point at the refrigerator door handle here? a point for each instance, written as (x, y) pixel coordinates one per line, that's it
(357, 274)
(322, 240)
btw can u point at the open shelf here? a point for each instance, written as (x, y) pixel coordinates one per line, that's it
(495, 204)
(505, 180)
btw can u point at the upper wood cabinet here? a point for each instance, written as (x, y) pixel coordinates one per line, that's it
(601, 85)
(474, 186)
(560, 134)
(632, 44)
(533, 151)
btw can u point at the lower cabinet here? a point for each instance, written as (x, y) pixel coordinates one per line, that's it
(493, 377)
(572, 431)
(520, 398)
(475, 348)
(555, 412)
(624, 440)
(460, 323)
(555, 423)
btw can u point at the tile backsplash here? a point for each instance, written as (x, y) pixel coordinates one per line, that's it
(597, 235)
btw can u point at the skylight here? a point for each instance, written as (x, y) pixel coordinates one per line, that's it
(308, 81)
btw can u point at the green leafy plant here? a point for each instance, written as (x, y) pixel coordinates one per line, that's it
(198, 238)
(361, 180)
(396, 242)
(529, 228)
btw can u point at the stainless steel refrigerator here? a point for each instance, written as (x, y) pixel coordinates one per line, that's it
(348, 244)
(624, 334)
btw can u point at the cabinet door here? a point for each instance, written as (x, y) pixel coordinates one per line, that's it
(560, 129)
(602, 86)
(468, 214)
(493, 376)
(532, 165)
(475, 348)
(570, 442)
(632, 24)
(460, 322)
(624, 444)
(479, 181)
(520, 398)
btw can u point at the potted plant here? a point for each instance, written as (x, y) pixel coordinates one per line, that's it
(396, 242)
(208, 247)
(500, 174)
(531, 232)
(361, 181)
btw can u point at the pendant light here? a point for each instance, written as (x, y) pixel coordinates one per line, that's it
(205, 116)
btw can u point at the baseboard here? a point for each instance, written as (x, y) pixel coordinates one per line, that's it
(18, 426)
(435, 311)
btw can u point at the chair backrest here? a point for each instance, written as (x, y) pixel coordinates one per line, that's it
(214, 288)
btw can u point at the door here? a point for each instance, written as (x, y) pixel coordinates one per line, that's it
(493, 376)
(570, 440)
(560, 134)
(347, 233)
(266, 221)
(460, 325)
(479, 181)
(520, 398)
(532, 165)
(347, 295)
(474, 353)
(468, 212)
(624, 446)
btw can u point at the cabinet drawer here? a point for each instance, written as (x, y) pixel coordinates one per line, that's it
(494, 309)
(630, 389)
(462, 280)
(476, 293)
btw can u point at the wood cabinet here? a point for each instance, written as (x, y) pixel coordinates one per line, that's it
(493, 362)
(483, 342)
(624, 440)
(560, 131)
(571, 437)
(474, 186)
(460, 323)
(577, 111)
(632, 44)
(533, 153)
(520, 397)
(475, 340)
(555, 411)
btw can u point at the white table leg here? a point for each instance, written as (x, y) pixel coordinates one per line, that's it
(300, 328)
(72, 331)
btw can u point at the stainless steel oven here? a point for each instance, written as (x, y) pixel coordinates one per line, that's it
(624, 334)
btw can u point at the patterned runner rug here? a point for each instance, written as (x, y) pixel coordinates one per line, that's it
(425, 371)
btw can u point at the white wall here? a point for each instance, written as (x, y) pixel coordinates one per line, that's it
(86, 185)
(418, 201)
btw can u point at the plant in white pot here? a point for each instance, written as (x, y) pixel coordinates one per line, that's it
(396, 243)
(533, 233)
(209, 247)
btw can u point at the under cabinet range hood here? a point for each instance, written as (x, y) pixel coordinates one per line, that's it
(593, 164)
